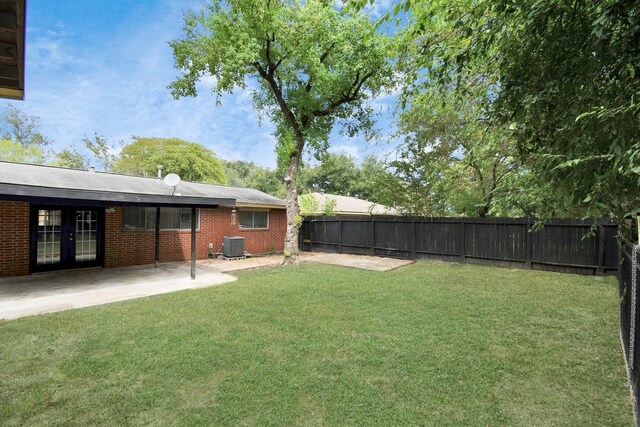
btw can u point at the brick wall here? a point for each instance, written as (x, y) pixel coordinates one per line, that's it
(123, 248)
(14, 238)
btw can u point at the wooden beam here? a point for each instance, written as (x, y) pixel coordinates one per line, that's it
(8, 21)
(8, 50)
(9, 72)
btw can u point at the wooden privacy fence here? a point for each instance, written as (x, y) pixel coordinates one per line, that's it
(628, 281)
(567, 245)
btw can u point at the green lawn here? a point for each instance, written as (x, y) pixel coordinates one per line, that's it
(433, 343)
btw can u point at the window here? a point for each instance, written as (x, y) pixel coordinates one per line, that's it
(136, 218)
(254, 219)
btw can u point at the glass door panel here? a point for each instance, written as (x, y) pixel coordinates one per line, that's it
(48, 236)
(86, 235)
(64, 237)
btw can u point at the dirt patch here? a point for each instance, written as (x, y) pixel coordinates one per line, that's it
(231, 265)
(362, 262)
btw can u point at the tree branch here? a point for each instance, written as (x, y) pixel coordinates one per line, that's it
(284, 108)
(351, 95)
(326, 52)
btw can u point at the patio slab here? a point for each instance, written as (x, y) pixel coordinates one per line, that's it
(51, 292)
(363, 262)
(228, 266)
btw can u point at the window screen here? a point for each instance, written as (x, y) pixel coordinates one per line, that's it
(138, 218)
(254, 219)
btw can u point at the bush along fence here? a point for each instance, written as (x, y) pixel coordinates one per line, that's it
(565, 245)
(628, 277)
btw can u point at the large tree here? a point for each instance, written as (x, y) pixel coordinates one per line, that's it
(22, 140)
(567, 82)
(242, 173)
(101, 150)
(336, 174)
(191, 161)
(309, 65)
(70, 157)
(454, 158)
(11, 151)
(339, 174)
(22, 128)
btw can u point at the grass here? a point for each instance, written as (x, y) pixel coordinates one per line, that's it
(432, 343)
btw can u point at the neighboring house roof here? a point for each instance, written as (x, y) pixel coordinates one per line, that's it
(23, 181)
(12, 19)
(347, 205)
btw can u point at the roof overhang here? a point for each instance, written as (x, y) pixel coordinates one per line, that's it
(12, 37)
(33, 194)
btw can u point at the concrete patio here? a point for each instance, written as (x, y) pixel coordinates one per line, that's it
(64, 290)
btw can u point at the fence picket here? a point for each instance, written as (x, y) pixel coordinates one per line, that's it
(560, 246)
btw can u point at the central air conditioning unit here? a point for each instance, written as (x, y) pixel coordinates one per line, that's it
(233, 246)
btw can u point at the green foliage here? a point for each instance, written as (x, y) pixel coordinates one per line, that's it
(241, 173)
(191, 161)
(70, 157)
(336, 174)
(309, 205)
(314, 65)
(12, 151)
(376, 182)
(453, 159)
(20, 127)
(22, 141)
(101, 149)
(566, 83)
(340, 174)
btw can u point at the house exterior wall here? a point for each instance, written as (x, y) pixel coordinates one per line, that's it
(14, 238)
(125, 247)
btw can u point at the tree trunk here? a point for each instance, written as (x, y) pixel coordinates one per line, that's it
(291, 248)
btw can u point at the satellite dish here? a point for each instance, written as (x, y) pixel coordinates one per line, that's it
(172, 180)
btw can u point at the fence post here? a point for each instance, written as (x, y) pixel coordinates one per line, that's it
(340, 236)
(601, 237)
(620, 261)
(310, 237)
(527, 243)
(373, 236)
(463, 241)
(413, 247)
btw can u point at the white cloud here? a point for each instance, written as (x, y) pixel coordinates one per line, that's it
(116, 84)
(350, 150)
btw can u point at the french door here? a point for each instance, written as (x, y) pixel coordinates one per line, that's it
(64, 237)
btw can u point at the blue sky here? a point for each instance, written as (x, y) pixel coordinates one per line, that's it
(103, 66)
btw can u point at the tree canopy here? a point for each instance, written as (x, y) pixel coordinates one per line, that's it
(308, 64)
(22, 128)
(454, 159)
(241, 173)
(340, 174)
(12, 151)
(565, 81)
(191, 161)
